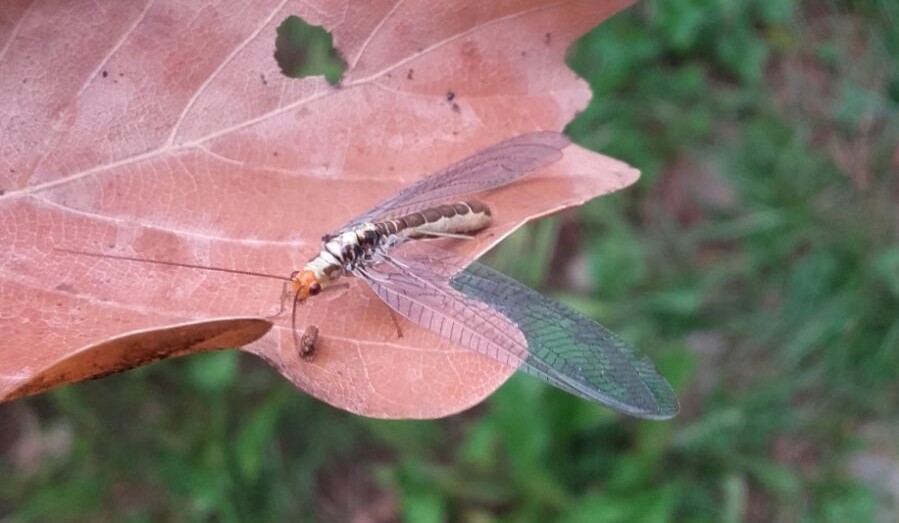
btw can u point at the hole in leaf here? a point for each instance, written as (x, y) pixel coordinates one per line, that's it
(306, 50)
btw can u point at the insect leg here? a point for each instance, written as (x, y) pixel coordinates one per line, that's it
(450, 235)
(365, 275)
(297, 344)
(396, 323)
(284, 294)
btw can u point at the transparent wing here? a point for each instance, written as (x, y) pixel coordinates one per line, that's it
(493, 167)
(485, 311)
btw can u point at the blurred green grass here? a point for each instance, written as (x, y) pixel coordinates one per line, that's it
(756, 260)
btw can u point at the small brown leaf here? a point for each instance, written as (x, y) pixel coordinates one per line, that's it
(143, 129)
(133, 350)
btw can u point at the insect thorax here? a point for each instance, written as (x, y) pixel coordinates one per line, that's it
(346, 251)
(341, 253)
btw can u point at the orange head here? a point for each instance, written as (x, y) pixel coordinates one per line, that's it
(305, 284)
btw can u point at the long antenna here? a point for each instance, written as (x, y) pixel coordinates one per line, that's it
(171, 263)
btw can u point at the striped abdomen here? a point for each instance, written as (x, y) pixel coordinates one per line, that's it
(457, 218)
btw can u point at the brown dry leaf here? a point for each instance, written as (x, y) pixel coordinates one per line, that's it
(164, 129)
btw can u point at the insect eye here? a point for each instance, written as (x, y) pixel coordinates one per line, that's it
(314, 289)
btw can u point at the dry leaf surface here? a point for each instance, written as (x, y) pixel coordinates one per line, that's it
(164, 129)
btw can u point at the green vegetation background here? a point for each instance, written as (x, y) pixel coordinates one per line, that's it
(756, 260)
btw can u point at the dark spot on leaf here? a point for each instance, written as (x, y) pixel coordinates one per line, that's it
(2, 192)
(122, 75)
(307, 343)
(65, 287)
(24, 80)
(409, 74)
(275, 153)
(262, 77)
(450, 95)
(456, 107)
(303, 50)
(105, 73)
(524, 53)
(548, 38)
